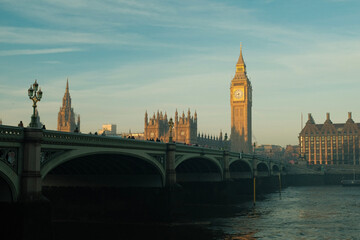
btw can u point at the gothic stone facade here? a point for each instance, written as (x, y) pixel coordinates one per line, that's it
(241, 103)
(184, 131)
(66, 116)
(212, 141)
(330, 143)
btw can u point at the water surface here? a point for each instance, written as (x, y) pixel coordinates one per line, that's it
(316, 212)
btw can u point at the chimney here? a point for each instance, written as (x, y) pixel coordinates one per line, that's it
(327, 116)
(349, 115)
(310, 119)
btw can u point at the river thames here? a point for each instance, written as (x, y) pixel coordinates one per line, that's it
(305, 212)
(316, 212)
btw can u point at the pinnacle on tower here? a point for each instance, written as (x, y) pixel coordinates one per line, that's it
(67, 85)
(241, 59)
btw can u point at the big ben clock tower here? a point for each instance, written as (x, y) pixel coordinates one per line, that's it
(241, 102)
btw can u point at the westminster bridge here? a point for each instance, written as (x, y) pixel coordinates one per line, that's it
(32, 158)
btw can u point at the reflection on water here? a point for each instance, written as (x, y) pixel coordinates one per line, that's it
(248, 236)
(320, 212)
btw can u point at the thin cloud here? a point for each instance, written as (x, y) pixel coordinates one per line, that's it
(50, 62)
(37, 51)
(20, 35)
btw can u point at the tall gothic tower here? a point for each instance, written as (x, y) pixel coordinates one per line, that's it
(66, 116)
(241, 102)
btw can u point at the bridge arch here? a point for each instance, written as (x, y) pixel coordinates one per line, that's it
(240, 165)
(9, 184)
(81, 154)
(275, 168)
(263, 169)
(240, 169)
(198, 168)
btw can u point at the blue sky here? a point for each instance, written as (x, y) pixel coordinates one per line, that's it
(125, 57)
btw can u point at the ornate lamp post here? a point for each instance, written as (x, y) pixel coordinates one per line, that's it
(35, 95)
(225, 142)
(171, 125)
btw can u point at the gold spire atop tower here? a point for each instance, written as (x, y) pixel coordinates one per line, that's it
(241, 59)
(240, 66)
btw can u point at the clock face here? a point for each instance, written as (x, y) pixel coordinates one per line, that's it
(238, 94)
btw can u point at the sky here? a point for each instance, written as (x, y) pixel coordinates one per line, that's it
(123, 58)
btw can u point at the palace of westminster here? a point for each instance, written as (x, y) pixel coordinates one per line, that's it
(185, 127)
(326, 143)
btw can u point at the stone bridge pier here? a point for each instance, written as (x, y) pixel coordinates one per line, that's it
(170, 165)
(31, 182)
(29, 216)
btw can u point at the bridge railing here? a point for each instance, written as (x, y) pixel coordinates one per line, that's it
(10, 133)
(241, 155)
(67, 138)
(198, 149)
(251, 156)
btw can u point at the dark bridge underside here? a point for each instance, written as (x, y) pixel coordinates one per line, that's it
(104, 170)
(275, 169)
(5, 191)
(262, 170)
(198, 170)
(240, 169)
